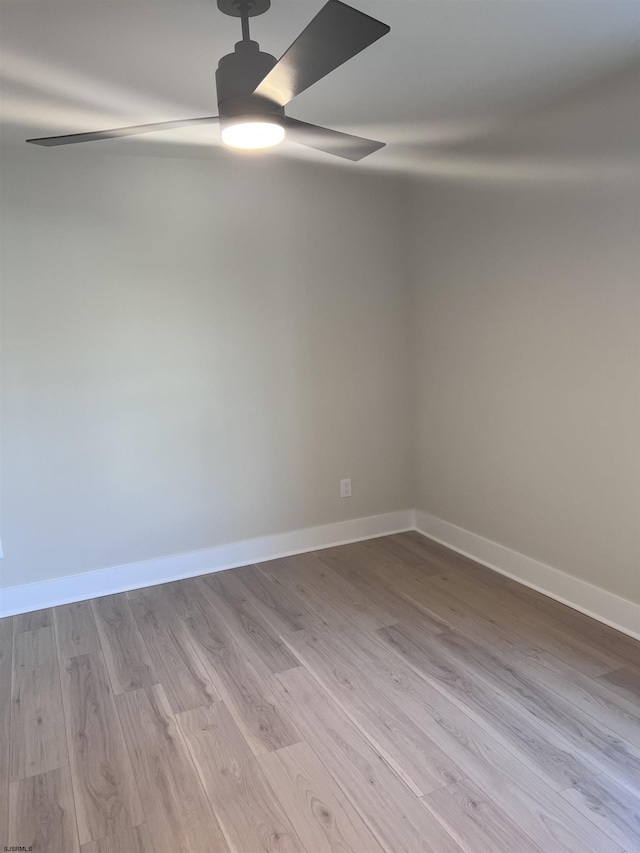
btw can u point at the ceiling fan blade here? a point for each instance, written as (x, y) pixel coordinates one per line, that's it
(330, 141)
(94, 136)
(337, 33)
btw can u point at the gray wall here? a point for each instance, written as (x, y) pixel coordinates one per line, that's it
(527, 355)
(194, 352)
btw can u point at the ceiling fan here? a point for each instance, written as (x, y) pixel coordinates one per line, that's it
(254, 88)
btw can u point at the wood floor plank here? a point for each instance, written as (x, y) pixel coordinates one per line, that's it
(330, 589)
(611, 807)
(476, 824)
(249, 813)
(441, 559)
(326, 593)
(486, 759)
(4, 792)
(584, 627)
(397, 819)
(75, 630)
(185, 681)
(38, 738)
(625, 682)
(558, 766)
(282, 576)
(348, 562)
(381, 561)
(6, 663)
(592, 696)
(427, 606)
(136, 840)
(105, 792)
(537, 611)
(565, 724)
(321, 813)
(259, 640)
(418, 761)
(388, 695)
(282, 611)
(526, 622)
(245, 690)
(41, 813)
(389, 553)
(34, 648)
(393, 548)
(125, 654)
(32, 621)
(179, 815)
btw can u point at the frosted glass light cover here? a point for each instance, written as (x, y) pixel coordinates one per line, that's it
(253, 134)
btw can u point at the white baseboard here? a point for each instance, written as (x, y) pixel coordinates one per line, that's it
(604, 606)
(65, 590)
(585, 597)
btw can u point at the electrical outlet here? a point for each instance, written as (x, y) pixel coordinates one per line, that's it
(345, 488)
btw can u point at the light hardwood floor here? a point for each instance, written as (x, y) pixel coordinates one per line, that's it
(388, 696)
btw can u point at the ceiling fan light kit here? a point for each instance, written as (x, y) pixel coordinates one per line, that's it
(253, 135)
(247, 121)
(254, 87)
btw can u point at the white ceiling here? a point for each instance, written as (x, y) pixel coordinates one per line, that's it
(449, 71)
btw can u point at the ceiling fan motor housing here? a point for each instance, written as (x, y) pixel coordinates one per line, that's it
(237, 77)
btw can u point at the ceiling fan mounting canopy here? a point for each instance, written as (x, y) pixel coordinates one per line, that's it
(236, 10)
(254, 87)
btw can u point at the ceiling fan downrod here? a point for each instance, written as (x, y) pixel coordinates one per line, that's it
(244, 19)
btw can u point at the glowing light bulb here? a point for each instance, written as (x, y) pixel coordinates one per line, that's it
(253, 134)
